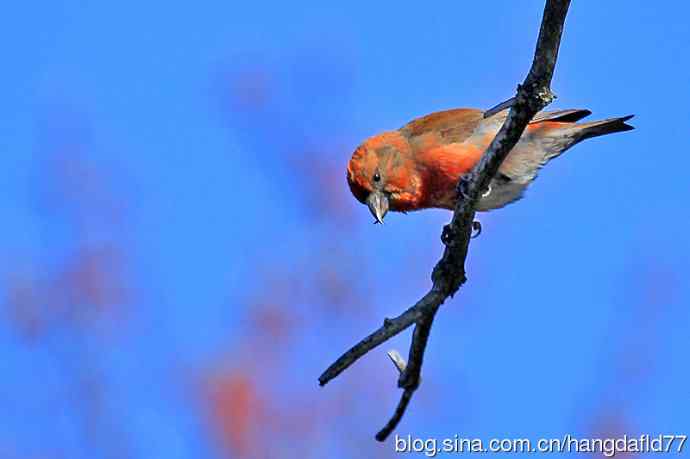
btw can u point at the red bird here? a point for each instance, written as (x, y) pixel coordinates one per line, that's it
(418, 166)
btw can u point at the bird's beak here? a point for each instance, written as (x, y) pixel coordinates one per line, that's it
(378, 205)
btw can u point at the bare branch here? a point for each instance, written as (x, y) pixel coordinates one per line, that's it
(410, 376)
(449, 273)
(397, 415)
(389, 329)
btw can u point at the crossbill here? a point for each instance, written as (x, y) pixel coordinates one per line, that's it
(419, 165)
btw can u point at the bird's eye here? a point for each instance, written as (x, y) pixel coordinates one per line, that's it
(377, 177)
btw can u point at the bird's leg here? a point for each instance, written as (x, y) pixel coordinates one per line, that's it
(476, 225)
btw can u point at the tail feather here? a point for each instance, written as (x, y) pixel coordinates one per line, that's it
(535, 149)
(603, 127)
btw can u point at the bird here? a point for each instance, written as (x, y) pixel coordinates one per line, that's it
(418, 166)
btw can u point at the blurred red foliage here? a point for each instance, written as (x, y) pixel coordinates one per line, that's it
(325, 196)
(237, 411)
(25, 307)
(77, 282)
(91, 284)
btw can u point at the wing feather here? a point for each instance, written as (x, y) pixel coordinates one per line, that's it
(450, 126)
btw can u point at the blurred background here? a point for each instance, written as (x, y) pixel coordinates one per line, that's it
(181, 255)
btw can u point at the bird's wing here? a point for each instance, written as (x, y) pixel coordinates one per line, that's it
(448, 126)
(457, 125)
(563, 116)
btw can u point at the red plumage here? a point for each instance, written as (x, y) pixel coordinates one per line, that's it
(418, 166)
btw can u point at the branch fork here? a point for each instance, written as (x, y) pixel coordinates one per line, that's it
(449, 273)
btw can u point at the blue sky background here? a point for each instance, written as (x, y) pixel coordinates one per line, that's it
(181, 256)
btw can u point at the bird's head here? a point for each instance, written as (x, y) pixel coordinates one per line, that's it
(382, 175)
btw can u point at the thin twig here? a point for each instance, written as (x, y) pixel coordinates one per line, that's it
(410, 377)
(449, 273)
(390, 328)
(397, 415)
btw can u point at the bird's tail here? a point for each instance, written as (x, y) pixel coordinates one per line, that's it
(602, 127)
(539, 147)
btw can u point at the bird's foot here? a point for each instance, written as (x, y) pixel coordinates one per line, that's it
(476, 226)
(447, 235)
(487, 192)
